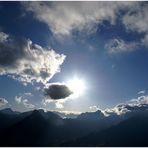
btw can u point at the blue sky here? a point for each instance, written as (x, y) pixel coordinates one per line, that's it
(105, 44)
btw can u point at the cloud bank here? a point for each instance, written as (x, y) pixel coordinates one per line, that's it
(65, 17)
(27, 62)
(134, 106)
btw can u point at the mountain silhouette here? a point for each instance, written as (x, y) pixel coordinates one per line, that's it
(131, 132)
(40, 128)
(98, 115)
(9, 111)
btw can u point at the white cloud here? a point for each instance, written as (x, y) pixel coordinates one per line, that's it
(28, 62)
(136, 105)
(22, 100)
(3, 36)
(94, 108)
(137, 19)
(27, 104)
(118, 45)
(3, 102)
(140, 100)
(65, 17)
(28, 94)
(18, 99)
(141, 92)
(59, 105)
(145, 40)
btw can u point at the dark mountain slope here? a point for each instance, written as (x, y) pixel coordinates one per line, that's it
(131, 132)
(39, 128)
(9, 111)
(98, 115)
(30, 131)
(6, 117)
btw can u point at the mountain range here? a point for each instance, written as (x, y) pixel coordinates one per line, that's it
(40, 128)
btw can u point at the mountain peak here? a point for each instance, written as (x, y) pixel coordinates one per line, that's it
(97, 115)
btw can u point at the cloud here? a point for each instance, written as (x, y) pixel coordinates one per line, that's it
(27, 104)
(28, 94)
(57, 91)
(27, 62)
(141, 92)
(18, 99)
(118, 46)
(94, 108)
(134, 106)
(145, 40)
(3, 102)
(137, 19)
(59, 105)
(22, 99)
(65, 17)
(3, 36)
(140, 100)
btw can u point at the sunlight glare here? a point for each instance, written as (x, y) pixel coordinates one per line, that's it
(77, 86)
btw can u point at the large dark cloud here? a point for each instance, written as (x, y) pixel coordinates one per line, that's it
(57, 91)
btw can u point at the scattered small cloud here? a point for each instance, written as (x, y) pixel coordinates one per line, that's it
(118, 46)
(28, 94)
(18, 99)
(37, 88)
(141, 92)
(22, 100)
(3, 36)
(27, 104)
(94, 108)
(3, 102)
(59, 105)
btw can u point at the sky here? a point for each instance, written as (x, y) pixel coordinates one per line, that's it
(43, 45)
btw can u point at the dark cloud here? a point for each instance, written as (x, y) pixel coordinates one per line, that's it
(11, 51)
(57, 91)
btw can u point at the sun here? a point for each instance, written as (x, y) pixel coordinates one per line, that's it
(77, 86)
